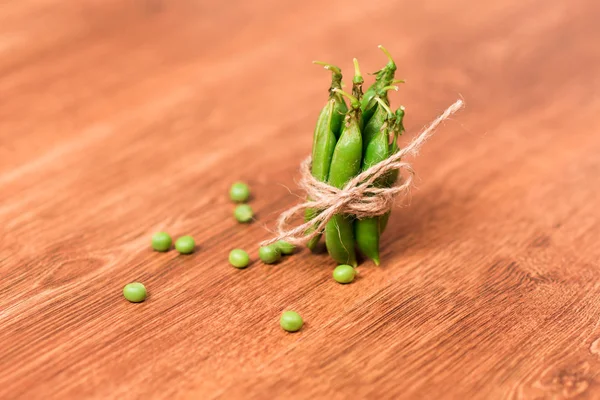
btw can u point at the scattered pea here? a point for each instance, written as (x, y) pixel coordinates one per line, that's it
(285, 247)
(239, 192)
(135, 292)
(161, 241)
(239, 258)
(185, 245)
(243, 213)
(269, 254)
(344, 273)
(291, 321)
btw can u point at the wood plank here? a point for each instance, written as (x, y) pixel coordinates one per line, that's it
(119, 119)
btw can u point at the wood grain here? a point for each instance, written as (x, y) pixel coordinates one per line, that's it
(122, 118)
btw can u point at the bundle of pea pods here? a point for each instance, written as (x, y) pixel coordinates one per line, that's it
(350, 138)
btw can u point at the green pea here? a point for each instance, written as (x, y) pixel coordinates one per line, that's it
(239, 192)
(344, 273)
(285, 247)
(161, 241)
(269, 254)
(185, 245)
(243, 213)
(239, 258)
(291, 321)
(135, 292)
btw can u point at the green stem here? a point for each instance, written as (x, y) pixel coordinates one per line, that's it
(391, 63)
(400, 118)
(398, 126)
(332, 68)
(353, 100)
(385, 106)
(384, 90)
(357, 75)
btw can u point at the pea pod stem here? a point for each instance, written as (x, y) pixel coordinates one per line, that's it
(391, 63)
(353, 100)
(385, 89)
(330, 67)
(382, 93)
(399, 123)
(385, 106)
(357, 75)
(357, 89)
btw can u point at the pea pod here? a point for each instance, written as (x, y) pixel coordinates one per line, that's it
(328, 126)
(325, 136)
(393, 175)
(375, 149)
(345, 164)
(384, 77)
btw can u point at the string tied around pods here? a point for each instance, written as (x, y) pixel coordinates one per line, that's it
(358, 197)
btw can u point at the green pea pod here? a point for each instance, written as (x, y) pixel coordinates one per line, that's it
(328, 126)
(345, 164)
(325, 136)
(375, 145)
(384, 77)
(393, 175)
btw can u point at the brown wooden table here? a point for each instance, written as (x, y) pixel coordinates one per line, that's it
(122, 118)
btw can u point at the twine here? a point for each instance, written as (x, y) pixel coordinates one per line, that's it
(358, 197)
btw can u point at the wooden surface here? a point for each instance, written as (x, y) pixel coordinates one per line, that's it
(122, 118)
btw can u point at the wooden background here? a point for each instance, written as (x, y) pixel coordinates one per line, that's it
(122, 118)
